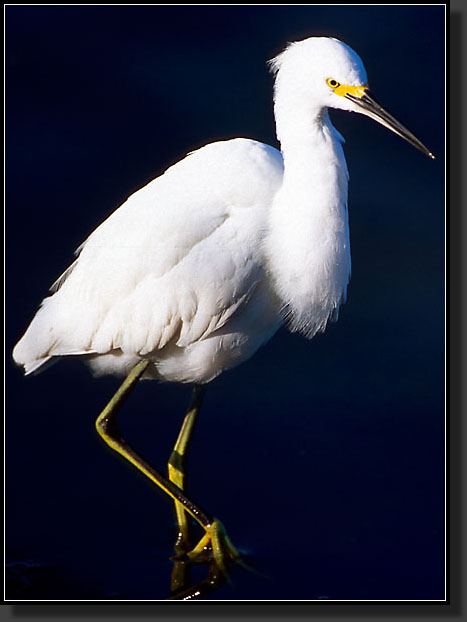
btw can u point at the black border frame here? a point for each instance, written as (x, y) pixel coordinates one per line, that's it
(454, 607)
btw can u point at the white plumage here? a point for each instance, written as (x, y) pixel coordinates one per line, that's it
(199, 268)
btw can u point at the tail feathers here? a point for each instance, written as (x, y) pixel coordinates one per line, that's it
(38, 349)
(39, 365)
(55, 331)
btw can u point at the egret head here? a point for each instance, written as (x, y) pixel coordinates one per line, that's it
(327, 73)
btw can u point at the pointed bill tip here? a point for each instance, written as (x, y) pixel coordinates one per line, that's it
(372, 109)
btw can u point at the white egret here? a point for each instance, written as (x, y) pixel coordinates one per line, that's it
(198, 269)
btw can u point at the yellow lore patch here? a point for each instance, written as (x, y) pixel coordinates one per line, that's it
(346, 89)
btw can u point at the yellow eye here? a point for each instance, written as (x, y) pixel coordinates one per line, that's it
(332, 83)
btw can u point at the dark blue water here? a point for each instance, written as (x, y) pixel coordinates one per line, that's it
(324, 459)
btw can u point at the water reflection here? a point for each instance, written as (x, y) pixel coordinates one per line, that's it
(183, 587)
(29, 580)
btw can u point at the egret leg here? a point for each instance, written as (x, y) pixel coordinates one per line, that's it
(177, 465)
(106, 425)
(181, 572)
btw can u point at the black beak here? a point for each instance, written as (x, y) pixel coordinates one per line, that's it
(372, 109)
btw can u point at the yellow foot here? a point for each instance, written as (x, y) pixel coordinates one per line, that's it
(215, 546)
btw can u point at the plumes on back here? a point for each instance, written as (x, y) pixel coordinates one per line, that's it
(167, 270)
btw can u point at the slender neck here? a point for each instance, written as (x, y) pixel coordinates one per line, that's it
(297, 119)
(315, 170)
(308, 243)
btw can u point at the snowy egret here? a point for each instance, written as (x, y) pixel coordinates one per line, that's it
(198, 269)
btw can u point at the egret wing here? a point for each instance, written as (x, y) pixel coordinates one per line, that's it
(172, 264)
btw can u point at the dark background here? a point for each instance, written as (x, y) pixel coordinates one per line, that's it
(324, 459)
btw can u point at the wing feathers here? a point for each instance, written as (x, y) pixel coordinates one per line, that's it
(171, 265)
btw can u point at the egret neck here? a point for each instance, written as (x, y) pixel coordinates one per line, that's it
(308, 245)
